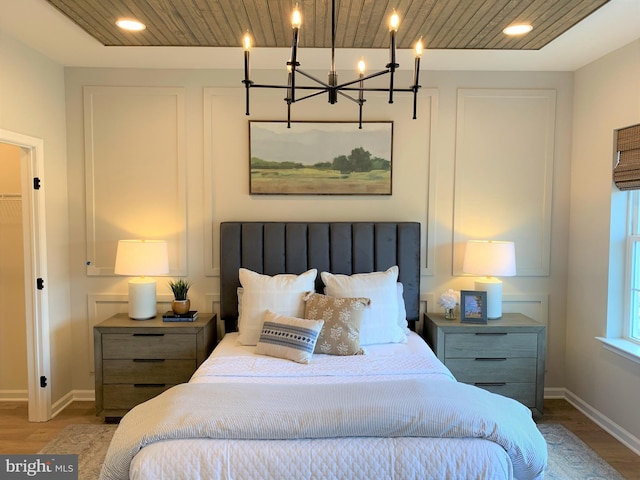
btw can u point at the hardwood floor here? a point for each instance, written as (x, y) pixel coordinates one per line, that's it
(17, 435)
(614, 452)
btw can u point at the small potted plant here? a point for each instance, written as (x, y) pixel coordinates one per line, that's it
(180, 304)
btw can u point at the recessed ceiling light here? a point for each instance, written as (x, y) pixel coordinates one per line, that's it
(130, 24)
(518, 29)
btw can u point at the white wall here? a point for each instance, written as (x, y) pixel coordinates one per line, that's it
(424, 187)
(32, 103)
(607, 97)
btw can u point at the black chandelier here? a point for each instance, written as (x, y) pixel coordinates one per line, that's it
(332, 87)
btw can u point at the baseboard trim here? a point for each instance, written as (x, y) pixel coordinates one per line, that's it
(623, 436)
(72, 396)
(84, 395)
(555, 393)
(61, 404)
(14, 395)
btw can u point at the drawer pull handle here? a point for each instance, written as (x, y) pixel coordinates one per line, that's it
(149, 385)
(149, 360)
(491, 359)
(148, 334)
(489, 384)
(491, 333)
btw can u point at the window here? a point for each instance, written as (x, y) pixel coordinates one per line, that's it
(632, 312)
(622, 333)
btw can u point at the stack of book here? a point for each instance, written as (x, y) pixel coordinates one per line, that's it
(169, 316)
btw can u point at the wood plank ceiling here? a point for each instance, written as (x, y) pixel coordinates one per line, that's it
(443, 24)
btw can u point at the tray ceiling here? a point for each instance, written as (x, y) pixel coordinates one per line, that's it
(443, 24)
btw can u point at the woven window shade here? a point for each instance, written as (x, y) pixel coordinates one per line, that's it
(626, 174)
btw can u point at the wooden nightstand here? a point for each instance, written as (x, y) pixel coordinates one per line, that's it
(505, 356)
(136, 360)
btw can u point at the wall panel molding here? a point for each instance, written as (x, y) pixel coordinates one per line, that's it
(504, 173)
(135, 172)
(220, 168)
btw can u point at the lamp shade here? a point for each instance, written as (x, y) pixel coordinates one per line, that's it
(142, 258)
(490, 258)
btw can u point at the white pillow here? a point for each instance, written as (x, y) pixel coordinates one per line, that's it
(282, 294)
(380, 323)
(288, 337)
(402, 310)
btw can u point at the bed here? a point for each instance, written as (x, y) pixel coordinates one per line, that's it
(376, 404)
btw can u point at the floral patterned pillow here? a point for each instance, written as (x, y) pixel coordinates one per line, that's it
(340, 334)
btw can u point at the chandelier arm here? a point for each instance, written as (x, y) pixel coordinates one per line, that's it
(311, 77)
(377, 89)
(345, 95)
(299, 87)
(357, 80)
(324, 90)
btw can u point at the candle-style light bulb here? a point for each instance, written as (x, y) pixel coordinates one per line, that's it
(361, 66)
(296, 17)
(394, 21)
(419, 48)
(246, 42)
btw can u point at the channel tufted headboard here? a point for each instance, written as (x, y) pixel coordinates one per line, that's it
(346, 248)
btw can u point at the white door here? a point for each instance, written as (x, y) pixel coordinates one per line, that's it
(34, 256)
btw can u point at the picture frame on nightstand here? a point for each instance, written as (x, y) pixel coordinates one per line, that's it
(473, 306)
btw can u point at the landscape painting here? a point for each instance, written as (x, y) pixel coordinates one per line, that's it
(320, 158)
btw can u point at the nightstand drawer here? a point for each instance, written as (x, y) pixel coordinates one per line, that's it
(125, 397)
(147, 371)
(148, 345)
(494, 370)
(494, 344)
(525, 393)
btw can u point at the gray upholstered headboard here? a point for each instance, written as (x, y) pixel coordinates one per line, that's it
(346, 248)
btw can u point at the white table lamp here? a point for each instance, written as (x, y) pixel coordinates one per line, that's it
(491, 259)
(141, 259)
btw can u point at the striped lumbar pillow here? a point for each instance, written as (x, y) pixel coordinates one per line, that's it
(288, 337)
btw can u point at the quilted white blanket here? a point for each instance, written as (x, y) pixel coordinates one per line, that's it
(395, 408)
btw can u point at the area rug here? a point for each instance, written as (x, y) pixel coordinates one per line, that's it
(569, 457)
(89, 441)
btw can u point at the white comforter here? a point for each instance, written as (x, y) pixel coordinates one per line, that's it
(397, 361)
(374, 439)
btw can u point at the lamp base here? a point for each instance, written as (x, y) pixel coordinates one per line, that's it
(142, 298)
(493, 287)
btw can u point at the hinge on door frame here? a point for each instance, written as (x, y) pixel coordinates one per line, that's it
(36, 183)
(43, 381)
(39, 283)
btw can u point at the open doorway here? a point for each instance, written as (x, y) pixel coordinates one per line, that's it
(23, 271)
(13, 322)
